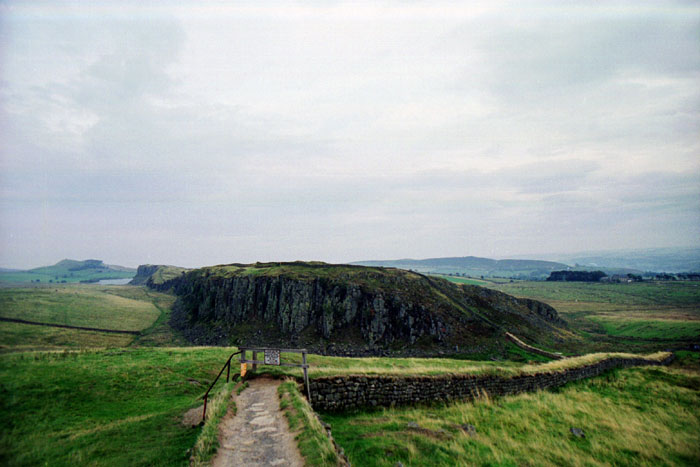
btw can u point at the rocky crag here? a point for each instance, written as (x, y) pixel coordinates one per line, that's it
(346, 310)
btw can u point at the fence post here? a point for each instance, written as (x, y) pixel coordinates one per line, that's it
(306, 375)
(228, 369)
(255, 357)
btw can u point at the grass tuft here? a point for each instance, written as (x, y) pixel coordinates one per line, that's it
(208, 439)
(313, 443)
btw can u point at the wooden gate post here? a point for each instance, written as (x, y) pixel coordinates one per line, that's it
(306, 375)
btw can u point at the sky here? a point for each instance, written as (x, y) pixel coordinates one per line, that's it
(195, 133)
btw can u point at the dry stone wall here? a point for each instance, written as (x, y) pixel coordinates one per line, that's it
(335, 394)
(532, 349)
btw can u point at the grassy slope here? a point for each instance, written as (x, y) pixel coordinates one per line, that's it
(641, 416)
(313, 443)
(165, 273)
(18, 337)
(118, 406)
(107, 307)
(111, 407)
(85, 306)
(464, 280)
(207, 443)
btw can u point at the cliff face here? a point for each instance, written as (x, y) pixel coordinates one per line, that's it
(155, 275)
(143, 273)
(347, 310)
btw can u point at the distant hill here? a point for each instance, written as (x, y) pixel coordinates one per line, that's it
(69, 271)
(474, 266)
(671, 260)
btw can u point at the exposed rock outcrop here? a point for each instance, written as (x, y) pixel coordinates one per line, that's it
(345, 310)
(143, 273)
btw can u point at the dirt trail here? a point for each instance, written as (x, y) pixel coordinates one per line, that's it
(258, 434)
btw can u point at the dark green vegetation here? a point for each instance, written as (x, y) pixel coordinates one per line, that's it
(69, 271)
(474, 266)
(110, 407)
(636, 316)
(576, 276)
(641, 416)
(350, 310)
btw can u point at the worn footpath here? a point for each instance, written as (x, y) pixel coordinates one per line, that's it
(258, 435)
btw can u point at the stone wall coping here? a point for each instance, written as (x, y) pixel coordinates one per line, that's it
(487, 374)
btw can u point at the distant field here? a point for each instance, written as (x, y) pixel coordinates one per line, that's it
(640, 416)
(465, 280)
(123, 308)
(78, 306)
(17, 336)
(666, 293)
(617, 316)
(649, 328)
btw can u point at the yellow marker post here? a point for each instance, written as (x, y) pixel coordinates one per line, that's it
(244, 369)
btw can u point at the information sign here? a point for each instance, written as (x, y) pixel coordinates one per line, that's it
(272, 357)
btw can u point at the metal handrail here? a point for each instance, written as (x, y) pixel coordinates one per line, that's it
(227, 365)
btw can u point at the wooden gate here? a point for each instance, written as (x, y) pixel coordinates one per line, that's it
(273, 356)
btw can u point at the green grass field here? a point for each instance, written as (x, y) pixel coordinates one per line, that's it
(667, 329)
(84, 305)
(464, 280)
(109, 407)
(640, 416)
(635, 316)
(122, 405)
(665, 293)
(16, 337)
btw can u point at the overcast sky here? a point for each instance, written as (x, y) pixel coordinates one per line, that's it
(193, 134)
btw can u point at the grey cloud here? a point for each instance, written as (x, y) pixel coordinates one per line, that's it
(561, 49)
(205, 140)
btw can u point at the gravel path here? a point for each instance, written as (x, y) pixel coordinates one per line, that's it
(258, 434)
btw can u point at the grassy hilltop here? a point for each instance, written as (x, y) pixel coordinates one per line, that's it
(350, 310)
